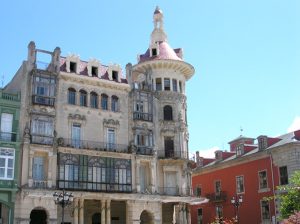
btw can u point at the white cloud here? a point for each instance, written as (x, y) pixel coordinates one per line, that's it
(295, 124)
(208, 153)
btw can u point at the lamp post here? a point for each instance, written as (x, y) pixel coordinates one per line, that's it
(63, 199)
(236, 201)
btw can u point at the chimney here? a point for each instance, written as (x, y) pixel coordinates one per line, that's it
(199, 160)
(297, 135)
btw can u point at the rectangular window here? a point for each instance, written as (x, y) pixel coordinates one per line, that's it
(38, 168)
(219, 211)
(174, 81)
(169, 147)
(240, 184)
(76, 135)
(115, 75)
(198, 191)
(180, 86)
(94, 71)
(158, 84)
(154, 52)
(200, 216)
(94, 100)
(43, 90)
(265, 210)
(111, 139)
(6, 127)
(72, 97)
(7, 159)
(167, 84)
(218, 187)
(283, 175)
(83, 99)
(73, 66)
(42, 130)
(263, 181)
(171, 183)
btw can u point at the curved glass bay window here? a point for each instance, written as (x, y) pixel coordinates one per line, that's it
(43, 89)
(143, 106)
(93, 173)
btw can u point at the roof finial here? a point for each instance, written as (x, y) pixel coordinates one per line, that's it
(158, 33)
(241, 130)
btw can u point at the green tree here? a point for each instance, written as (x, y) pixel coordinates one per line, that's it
(290, 201)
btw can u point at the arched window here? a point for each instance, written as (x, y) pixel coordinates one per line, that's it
(83, 98)
(168, 113)
(72, 96)
(104, 102)
(114, 103)
(94, 100)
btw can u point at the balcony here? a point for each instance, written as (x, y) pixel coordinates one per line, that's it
(10, 96)
(144, 150)
(94, 186)
(8, 137)
(142, 116)
(175, 191)
(43, 140)
(172, 154)
(217, 197)
(43, 100)
(99, 146)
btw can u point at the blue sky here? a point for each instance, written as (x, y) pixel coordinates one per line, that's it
(246, 54)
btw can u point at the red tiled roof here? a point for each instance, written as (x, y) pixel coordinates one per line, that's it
(165, 52)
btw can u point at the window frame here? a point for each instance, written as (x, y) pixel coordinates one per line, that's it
(200, 221)
(6, 163)
(262, 212)
(71, 98)
(237, 184)
(104, 101)
(286, 178)
(167, 84)
(260, 180)
(83, 98)
(94, 100)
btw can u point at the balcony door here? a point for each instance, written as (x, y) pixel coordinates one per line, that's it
(38, 171)
(76, 135)
(111, 139)
(171, 187)
(6, 126)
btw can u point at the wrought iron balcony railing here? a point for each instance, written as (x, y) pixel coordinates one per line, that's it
(94, 145)
(94, 186)
(43, 100)
(8, 137)
(142, 116)
(175, 191)
(217, 197)
(172, 154)
(40, 139)
(144, 150)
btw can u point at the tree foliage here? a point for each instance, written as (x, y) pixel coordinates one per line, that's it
(290, 201)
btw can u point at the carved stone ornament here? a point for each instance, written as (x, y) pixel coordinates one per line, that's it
(77, 117)
(111, 122)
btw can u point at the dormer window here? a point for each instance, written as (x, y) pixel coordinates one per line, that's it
(154, 51)
(94, 71)
(114, 75)
(73, 66)
(262, 142)
(239, 150)
(218, 155)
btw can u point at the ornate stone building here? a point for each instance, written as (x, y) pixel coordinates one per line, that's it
(119, 144)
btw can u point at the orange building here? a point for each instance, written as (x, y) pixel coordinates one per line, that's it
(251, 171)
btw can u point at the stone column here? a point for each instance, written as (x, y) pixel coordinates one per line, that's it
(81, 211)
(137, 176)
(76, 207)
(153, 176)
(103, 202)
(108, 217)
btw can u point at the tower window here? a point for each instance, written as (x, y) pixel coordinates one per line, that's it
(158, 84)
(73, 66)
(115, 75)
(174, 82)
(167, 84)
(168, 113)
(94, 71)
(154, 52)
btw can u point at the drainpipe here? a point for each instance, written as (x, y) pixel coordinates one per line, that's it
(273, 186)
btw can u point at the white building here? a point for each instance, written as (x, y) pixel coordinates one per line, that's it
(120, 145)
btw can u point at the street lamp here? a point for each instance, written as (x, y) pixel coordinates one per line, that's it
(63, 199)
(236, 201)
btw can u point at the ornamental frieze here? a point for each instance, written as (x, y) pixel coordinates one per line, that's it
(77, 117)
(111, 122)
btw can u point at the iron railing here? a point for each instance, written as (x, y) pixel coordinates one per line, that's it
(144, 150)
(95, 145)
(8, 137)
(217, 197)
(142, 116)
(10, 96)
(43, 100)
(172, 154)
(93, 186)
(175, 191)
(40, 139)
